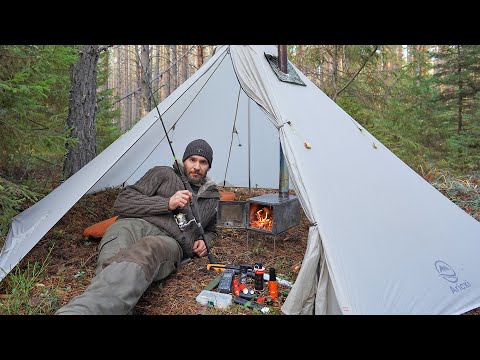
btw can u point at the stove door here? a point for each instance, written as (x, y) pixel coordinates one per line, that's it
(232, 214)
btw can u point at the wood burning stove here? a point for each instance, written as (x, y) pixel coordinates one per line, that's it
(268, 214)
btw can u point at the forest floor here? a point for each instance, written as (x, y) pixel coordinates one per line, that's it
(71, 260)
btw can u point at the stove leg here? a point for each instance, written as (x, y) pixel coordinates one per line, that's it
(274, 248)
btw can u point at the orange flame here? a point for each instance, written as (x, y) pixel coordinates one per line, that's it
(264, 219)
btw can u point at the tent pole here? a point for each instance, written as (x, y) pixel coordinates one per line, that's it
(283, 181)
(249, 148)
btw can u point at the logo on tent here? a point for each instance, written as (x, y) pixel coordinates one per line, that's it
(446, 271)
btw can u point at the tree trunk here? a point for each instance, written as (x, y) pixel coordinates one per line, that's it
(174, 78)
(300, 60)
(163, 76)
(200, 57)
(119, 85)
(321, 65)
(157, 73)
(81, 111)
(168, 77)
(128, 87)
(399, 61)
(460, 94)
(138, 97)
(145, 80)
(183, 64)
(335, 67)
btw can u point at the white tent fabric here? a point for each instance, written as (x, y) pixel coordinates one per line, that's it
(210, 95)
(383, 240)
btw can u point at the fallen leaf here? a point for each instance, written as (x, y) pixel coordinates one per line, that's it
(296, 267)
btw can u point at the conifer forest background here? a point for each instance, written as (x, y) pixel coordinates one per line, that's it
(421, 101)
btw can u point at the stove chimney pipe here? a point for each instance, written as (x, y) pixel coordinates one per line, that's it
(283, 182)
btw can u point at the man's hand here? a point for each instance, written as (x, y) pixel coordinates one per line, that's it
(179, 200)
(199, 248)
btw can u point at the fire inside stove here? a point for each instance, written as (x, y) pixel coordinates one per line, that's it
(272, 214)
(268, 214)
(261, 217)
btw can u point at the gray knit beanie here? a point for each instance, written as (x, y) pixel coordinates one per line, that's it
(199, 147)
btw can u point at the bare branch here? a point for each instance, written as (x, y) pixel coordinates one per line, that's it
(356, 74)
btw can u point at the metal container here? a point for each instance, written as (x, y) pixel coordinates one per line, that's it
(232, 214)
(285, 213)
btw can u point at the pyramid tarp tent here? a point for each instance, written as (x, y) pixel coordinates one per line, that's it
(382, 239)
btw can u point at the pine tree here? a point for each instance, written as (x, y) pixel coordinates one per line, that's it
(458, 76)
(34, 83)
(458, 80)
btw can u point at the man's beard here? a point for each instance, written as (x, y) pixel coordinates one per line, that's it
(195, 181)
